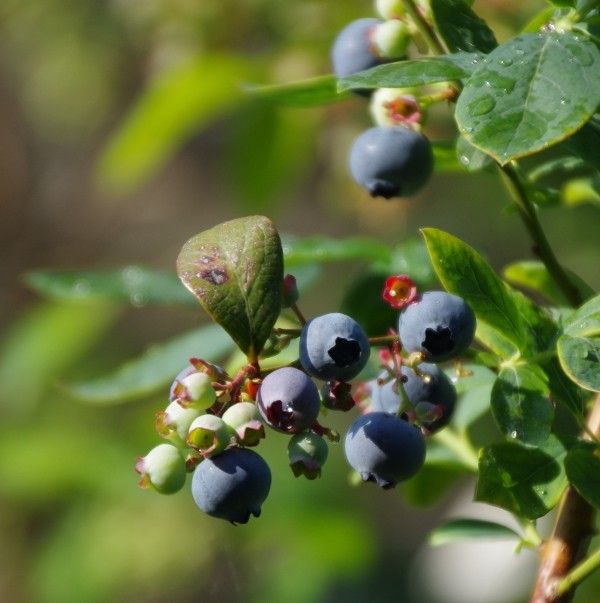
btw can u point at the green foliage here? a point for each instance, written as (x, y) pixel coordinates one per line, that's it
(520, 404)
(136, 285)
(413, 73)
(583, 470)
(533, 91)
(236, 272)
(153, 370)
(461, 28)
(526, 481)
(469, 529)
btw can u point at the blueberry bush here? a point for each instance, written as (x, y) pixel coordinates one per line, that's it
(446, 341)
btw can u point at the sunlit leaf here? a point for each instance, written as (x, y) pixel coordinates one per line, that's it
(155, 369)
(533, 91)
(469, 529)
(235, 269)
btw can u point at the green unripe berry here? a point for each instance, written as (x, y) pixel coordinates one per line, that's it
(390, 9)
(391, 39)
(244, 419)
(163, 469)
(174, 422)
(209, 435)
(198, 391)
(307, 453)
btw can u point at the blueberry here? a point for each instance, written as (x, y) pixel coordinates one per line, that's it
(384, 449)
(288, 400)
(333, 346)
(439, 325)
(232, 485)
(433, 389)
(353, 48)
(391, 161)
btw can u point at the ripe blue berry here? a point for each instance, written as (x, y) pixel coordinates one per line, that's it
(434, 389)
(353, 48)
(384, 449)
(391, 161)
(288, 400)
(439, 325)
(333, 346)
(232, 485)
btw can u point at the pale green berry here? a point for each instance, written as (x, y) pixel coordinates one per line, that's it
(391, 38)
(175, 420)
(210, 435)
(163, 469)
(396, 107)
(390, 9)
(198, 391)
(244, 418)
(307, 453)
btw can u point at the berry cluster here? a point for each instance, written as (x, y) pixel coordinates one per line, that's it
(213, 419)
(393, 158)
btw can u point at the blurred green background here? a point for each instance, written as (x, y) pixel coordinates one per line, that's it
(123, 131)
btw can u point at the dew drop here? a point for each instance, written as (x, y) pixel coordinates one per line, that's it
(514, 434)
(506, 62)
(564, 101)
(464, 160)
(137, 300)
(81, 288)
(481, 106)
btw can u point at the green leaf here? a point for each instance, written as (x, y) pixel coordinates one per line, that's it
(154, 369)
(136, 285)
(533, 91)
(523, 480)
(520, 404)
(494, 341)
(173, 107)
(323, 250)
(585, 321)
(411, 257)
(235, 269)
(474, 393)
(563, 389)
(583, 470)
(445, 158)
(534, 275)
(586, 141)
(469, 529)
(460, 28)
(464, 272)
(306, 93)
(580, 359)
(470, 157)
(418, 72)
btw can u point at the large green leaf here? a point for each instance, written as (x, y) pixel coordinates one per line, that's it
(235, 269)
(174, 106)
(533, 91)
(474, 390)
(418, 72)
(305, 93)
(136, 285)
(523, 480)
(322, 249)
(583, 470)
(580, 359)
(460, 27)
(469, 529)
(154, 369)
(464, 272)
(585, 321)
(520, 404)
(534, 275)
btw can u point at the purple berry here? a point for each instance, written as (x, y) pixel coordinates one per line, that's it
(353, 49)
(384, 449)
(440, 326)
(434, 389)
(333, 346)
(232, 485)
(391, 161)
(288, 400)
